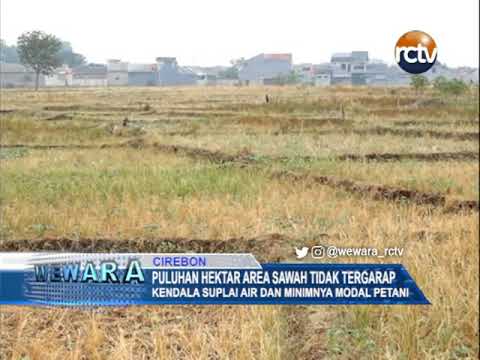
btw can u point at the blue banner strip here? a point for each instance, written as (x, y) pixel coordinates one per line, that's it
(274, 284)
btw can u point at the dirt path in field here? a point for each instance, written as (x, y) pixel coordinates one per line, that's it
(103, 107)
(7, 111)
(461, 136)
(345, 130)
(245, 156)
(380, 192)
(379, 130)
(435, 122)
(268, 247)
(55, 146)
(427, 157)
(271, 247)
(385, 157)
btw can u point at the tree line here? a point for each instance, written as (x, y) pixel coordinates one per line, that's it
(441, 84)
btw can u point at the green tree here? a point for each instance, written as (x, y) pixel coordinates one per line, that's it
(232, 71)
(229, 73)
(39, 51)
(238, 63)
(69, 57)
(287, 79)
(419, 83)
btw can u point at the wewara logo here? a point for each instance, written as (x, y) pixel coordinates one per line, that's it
(415, 52)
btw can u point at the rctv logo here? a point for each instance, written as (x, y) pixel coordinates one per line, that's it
(415, 52)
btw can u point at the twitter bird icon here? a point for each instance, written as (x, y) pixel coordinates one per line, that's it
(301, 253)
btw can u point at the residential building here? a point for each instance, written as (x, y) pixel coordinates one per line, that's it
(17, 75)
(117, 72)
(323, 79)
(323, 74)
(89, 75)
(265, 69)
(377, 73)
(305, 73)
(349, 68)
(169, 73)
(142, 74)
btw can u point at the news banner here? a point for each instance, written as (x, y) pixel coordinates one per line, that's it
(107, 279)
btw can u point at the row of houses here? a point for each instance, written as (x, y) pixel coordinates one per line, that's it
(164, 72)
(353, 68)
(356, 68)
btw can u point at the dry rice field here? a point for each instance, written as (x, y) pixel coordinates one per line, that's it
(216, 169)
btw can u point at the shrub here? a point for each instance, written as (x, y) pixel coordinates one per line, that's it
(419, 83)
(454, 87)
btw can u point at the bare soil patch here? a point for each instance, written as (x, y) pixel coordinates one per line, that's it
(247, 157)
(271, 247)
(78, 107)
(461, 136)
(420, 133)
(428, 157)
(438, 122)
(7, 111)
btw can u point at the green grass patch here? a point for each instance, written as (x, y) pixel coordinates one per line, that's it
(54, 186)
(13, 153)
(28, 130)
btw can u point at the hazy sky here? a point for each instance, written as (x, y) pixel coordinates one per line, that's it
(211, 32)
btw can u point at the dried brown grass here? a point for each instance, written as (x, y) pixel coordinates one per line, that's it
(118, 193)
